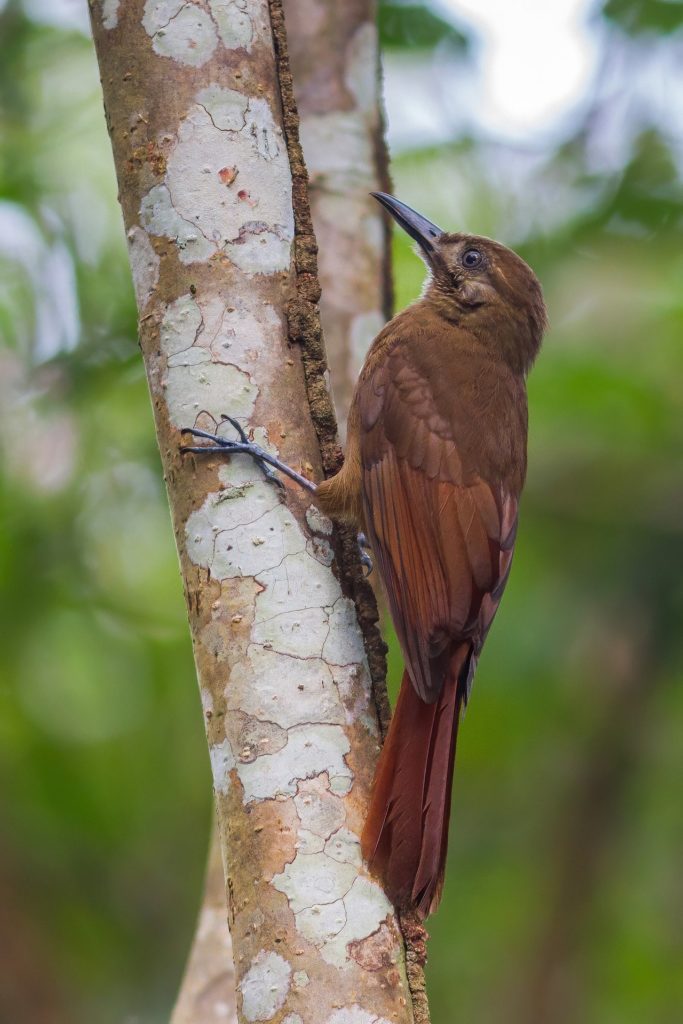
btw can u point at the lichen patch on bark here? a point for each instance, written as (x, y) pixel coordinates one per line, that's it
(110, 13)
(181, 31)
(245, 214)
(206, 347)
(264, 987)
(355, 1015)
(234, 23)
(310, 751)
(144, 265)
(333, 905)
(222, 763)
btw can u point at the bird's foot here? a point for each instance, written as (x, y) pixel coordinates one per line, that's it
(222, 444)
(266, 462)
(365, 560)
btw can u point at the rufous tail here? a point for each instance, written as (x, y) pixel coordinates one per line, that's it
(405, 836)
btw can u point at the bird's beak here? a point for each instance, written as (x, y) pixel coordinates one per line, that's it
(413, 223)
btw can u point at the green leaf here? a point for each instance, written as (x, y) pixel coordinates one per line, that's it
(415, 26)
(637, 16)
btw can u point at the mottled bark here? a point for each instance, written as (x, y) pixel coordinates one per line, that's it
(213, 191)
(335, 63)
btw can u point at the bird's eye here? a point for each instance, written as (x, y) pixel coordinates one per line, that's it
(471, 258)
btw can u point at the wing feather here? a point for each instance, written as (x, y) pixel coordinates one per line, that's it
(442, 533)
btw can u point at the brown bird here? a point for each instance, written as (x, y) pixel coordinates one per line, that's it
(434, 468)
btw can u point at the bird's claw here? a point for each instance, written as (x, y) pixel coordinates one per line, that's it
(269, 473)
(365, 559)
(223, 444)
(237, 426)
(367, 563)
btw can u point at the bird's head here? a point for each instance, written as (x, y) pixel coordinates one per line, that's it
(480, 284)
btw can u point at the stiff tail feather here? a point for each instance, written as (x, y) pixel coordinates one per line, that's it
(406, 832)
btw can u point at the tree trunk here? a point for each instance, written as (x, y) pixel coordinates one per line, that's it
(213, 189)
(207, 991)
(335, 61)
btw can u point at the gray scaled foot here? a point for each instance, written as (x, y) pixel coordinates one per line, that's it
(266, 462)
(363, 548)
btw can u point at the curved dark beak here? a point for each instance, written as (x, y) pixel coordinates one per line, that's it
(413, 223)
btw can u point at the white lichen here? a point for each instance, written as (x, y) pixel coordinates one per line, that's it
(344, 847)
(265, 986)
(366, 907)
(309, 842)
(144, 265)
(234, 23)
(181, 31)
(344, 644)
(192, 336)
(321, 923)
(110, 13)
(159, 216)
(206, 698)
(313, 880)
(201, 332)
(332, 904)
(321, 550)
(180, 326)
(310, 751)
(227, 108)
(318, 522)
(227, 186)
(267, 686)
(222, 763)
(194, 389)
(158, 13)
(355, 1015)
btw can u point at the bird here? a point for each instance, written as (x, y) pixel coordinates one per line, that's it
(434, 466)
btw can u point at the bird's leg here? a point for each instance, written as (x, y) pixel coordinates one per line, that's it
(363, 547)
(266, 463)
(263, 459)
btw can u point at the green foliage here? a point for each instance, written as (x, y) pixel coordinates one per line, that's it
(414, 26)
(660, 16)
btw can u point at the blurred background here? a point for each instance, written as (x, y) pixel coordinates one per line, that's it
(555, 127)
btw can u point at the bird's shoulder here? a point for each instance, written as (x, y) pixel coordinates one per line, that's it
(429, 389)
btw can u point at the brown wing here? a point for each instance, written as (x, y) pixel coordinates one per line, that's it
(442, 534)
